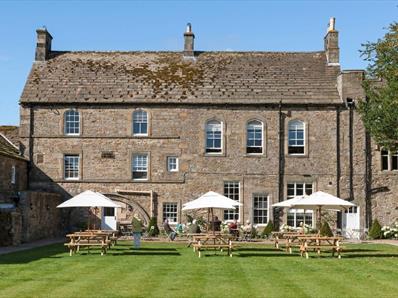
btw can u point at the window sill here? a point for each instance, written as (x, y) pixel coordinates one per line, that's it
(296, 155)
(214, 154)
(254, 155)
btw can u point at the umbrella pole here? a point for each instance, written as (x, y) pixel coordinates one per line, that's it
(212, 218)
(208, 218)
(319, 219)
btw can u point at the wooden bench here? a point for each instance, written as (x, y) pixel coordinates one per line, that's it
(88, 240)
(319, 244)
(201, 247)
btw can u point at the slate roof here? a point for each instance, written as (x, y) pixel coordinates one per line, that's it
(157, 77)
(8, 149)
(11, 132)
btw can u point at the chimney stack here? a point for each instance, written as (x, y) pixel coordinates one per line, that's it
(43, 45)
(332, 44)
(188, 42)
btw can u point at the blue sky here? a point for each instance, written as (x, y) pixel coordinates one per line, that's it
(158, 25)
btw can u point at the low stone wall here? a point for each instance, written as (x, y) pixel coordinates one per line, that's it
(40, 217)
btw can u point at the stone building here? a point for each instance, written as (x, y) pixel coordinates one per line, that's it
(153, 130)
(24, 215)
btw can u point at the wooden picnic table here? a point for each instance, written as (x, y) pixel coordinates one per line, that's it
(90, 238)
(318, 243)
(282, 236)
(216, 241)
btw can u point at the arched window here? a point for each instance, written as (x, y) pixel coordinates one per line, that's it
(296, 140)
(72, 122)
(140, 123)
(254, 137)
(213, 136)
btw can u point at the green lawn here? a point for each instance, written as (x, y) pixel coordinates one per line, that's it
(172, 270)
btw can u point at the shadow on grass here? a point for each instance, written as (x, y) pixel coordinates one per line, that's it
(353, 256)
(359, 250)
(281, 254)
(257, 249)
(144, 253)
(31, 255)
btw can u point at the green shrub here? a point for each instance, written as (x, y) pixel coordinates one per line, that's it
(375, 230)
(153, 229)
(267, 230)
(253, 233)
(326, 230)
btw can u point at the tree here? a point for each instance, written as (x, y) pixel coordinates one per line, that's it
(380, 109)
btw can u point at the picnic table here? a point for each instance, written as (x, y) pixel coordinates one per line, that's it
(318, 243)
(282, 236)
(90, 238)
(217, 241)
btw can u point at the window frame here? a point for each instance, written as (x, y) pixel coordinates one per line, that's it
(66, 133)
(263, 195)
(298, 211)
(77, 168)
(176, 164)
(13, 175)
(140, 134)
(140, 171)
(235, 213)
(388, 156)
(304, 139)
(221, 148)
(247, 137)
(165, 212)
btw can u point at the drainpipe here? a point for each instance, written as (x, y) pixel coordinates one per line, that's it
(338, 165)
(368, 179)
(31, 128)
(281, 164)
(351, 105)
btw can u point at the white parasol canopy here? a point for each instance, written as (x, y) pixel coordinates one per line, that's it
(89, 198)
(322, 199)
(290, 202)
(213, 200)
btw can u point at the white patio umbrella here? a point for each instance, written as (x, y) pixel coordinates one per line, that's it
(210, 201)
(321, 200)
(89, 199)
(290, 202)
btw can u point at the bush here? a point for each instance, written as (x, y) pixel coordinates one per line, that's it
(326, 230)
(375, 230)
(253, 233)
(267, 230)
(153, 229)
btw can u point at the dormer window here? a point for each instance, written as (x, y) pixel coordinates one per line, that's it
(72, 123)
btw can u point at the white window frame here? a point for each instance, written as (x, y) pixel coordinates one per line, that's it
(169, 163)
(213, 131)
(299, 211)
(139, 119)
(389, 155)
(140, 168)
(229, 194)
(66, 121)
(77, 169)
(292, 126)
(168, 205)
(261, 125)
(13, 175)
(262, 195)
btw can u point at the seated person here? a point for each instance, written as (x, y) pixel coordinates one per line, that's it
(169, 231)
(194, 228)
(216, 224)
(247, 230)
(233, 228)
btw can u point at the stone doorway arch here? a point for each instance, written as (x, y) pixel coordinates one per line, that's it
(132, 207)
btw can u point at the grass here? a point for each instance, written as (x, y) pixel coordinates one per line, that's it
(172, 270)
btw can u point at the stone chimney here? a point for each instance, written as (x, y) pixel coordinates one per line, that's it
(188, 42)
(332, 44)
(43, 46)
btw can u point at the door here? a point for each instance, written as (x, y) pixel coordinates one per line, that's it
(108, 219)
(350, 221)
